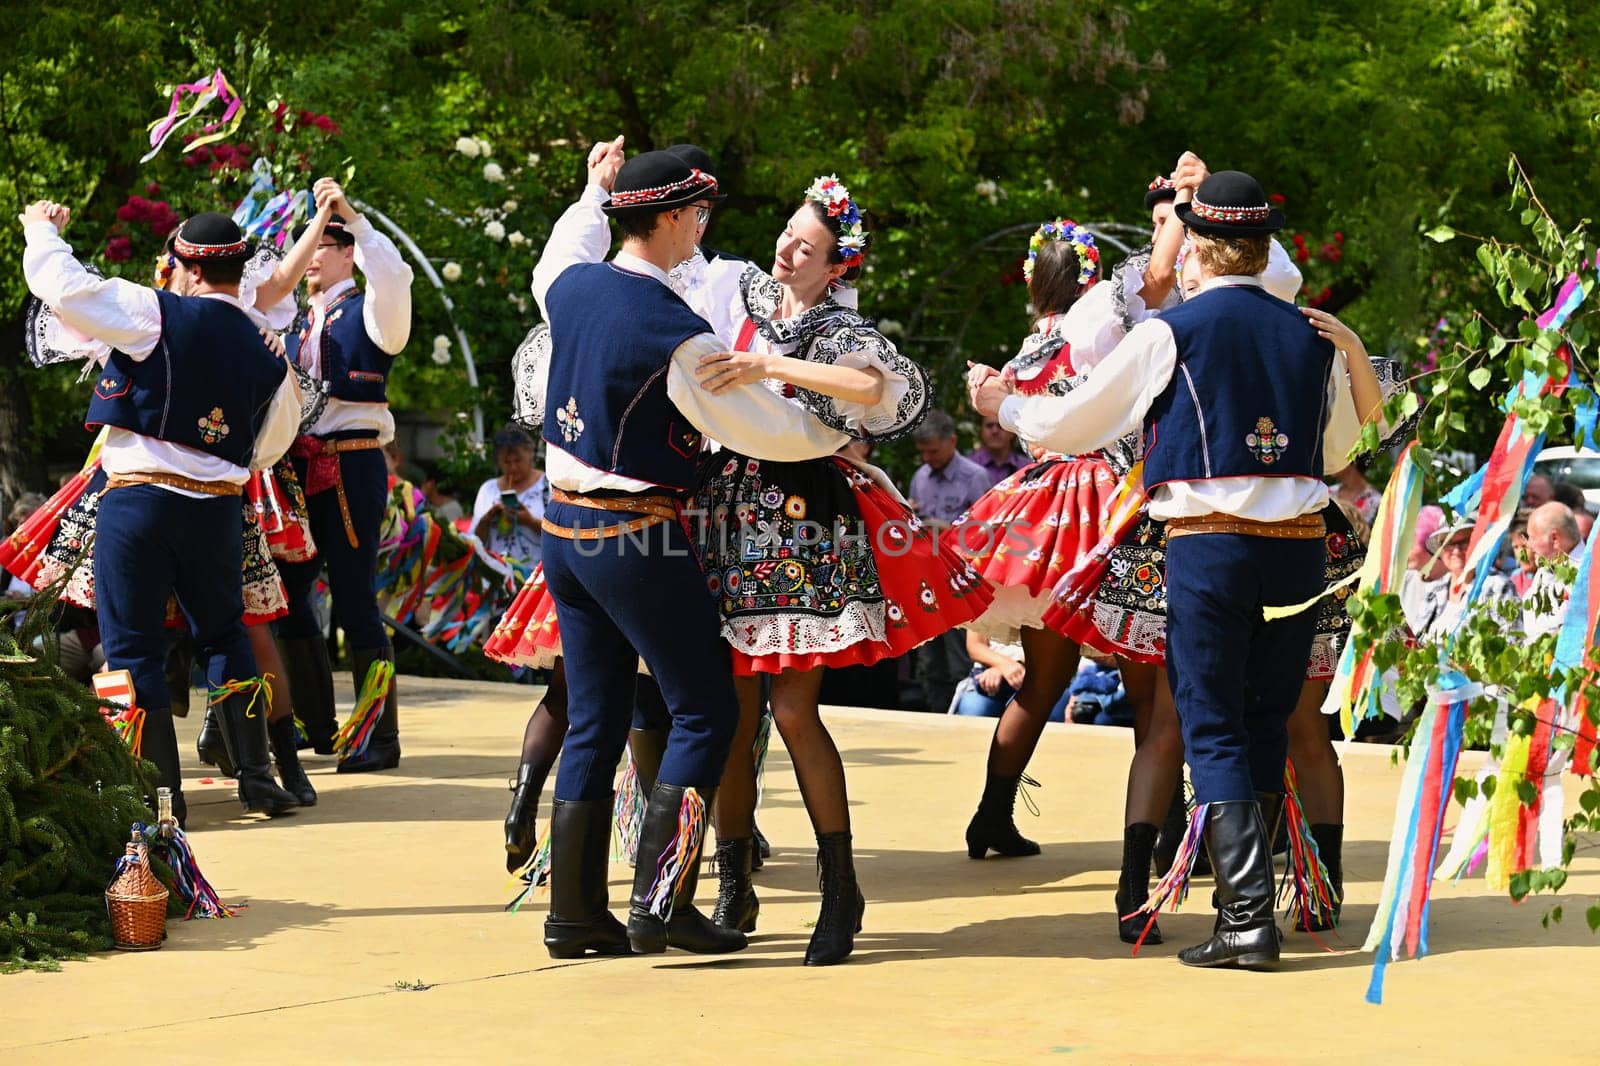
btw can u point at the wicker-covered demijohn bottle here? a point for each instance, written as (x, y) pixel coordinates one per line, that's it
(136, 901)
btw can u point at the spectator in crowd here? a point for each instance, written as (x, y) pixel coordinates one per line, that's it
(1585, 520)
(509, 510)
(1434, 607)
(441, 494)
(948, 482)
(999, 455)
(1539, 491)
(942, 489)
(1429, 519)
(1552, 536)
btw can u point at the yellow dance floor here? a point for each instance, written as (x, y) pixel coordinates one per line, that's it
(375, 934)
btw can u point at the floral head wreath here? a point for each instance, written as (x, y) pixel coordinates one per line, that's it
(1064, 229)
(835, 198)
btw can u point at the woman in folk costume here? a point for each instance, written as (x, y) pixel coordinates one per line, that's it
(1030, 530)
(59, 546)
(817, 563)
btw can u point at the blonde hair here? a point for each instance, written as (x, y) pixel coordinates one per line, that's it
(1232, 256)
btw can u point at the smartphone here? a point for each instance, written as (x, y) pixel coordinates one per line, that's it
(509, 501)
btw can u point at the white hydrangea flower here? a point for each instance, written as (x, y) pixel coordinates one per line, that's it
(516, 239)
(985, 188)
(467, 147)
(492, 173)
(494, 231)
(441, 343)
(483, 146)
(451, 271)
(441, 356)
(533, 159)
(509, 206)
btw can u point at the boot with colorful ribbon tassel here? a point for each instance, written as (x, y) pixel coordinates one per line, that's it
(1314, 884)
(241, 708)
(646, 747)
(1240, 846)
(370, 738)
(580, 921)
(662, 913)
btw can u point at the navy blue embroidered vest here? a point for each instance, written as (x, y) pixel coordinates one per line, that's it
(1248, 397)
(356, 369)
(207, 385)
(612, 335)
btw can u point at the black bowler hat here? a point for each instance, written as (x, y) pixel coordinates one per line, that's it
(210, 237)
(1160, 191)
(334, 231)
(695, 156)
(1230, 203)
(653, 182)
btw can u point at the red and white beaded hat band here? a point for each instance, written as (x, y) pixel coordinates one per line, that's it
(210, 236)
(659, 181)
(1230, 203)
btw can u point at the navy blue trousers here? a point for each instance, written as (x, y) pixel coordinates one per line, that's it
(350, 570)
(620, 599)
(1235, 678)
(149, 544)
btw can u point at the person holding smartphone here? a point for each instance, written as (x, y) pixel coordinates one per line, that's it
(509, 508)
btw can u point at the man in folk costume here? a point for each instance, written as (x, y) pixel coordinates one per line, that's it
(347, 342)
(194, 400)
(1244, 408)
(624, 434)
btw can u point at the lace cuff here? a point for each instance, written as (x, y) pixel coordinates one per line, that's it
(905, 398)
(530, 376)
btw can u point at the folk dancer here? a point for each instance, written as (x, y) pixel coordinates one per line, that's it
(1244, 408)
(185, 430)
(347, 342)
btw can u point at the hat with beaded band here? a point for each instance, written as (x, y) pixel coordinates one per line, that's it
(1230, 203)
(653, 182)
(210, 237)
(1161, 191)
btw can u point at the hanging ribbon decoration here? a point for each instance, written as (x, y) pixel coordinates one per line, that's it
(1401, 920)
(265, 213)
(205, 91)
(1393, 529)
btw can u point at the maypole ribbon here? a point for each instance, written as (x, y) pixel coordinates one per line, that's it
(205, 91)
(1401, 920)
(1381, 572)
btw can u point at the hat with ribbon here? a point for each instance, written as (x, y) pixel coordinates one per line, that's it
(210, 237)
(653, 182)
(1161, 191)
(1230, 203)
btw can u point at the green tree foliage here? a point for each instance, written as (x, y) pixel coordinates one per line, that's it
(953, 122)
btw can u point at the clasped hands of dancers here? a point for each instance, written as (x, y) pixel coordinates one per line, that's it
(1234, 404)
